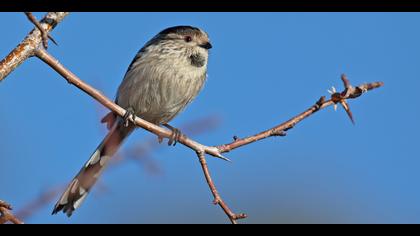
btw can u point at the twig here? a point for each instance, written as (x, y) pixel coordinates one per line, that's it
(160, 132)
(197, 147)
(217, 198)
(94, 93)
(44, 34)
(141, 151)
(6, 215)
(27, 47)
(349, 93)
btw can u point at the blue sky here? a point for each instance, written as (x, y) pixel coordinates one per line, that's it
(263, 69)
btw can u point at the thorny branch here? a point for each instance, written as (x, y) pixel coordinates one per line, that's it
(27, 47)
(97, 95)
(350, 92)
(44, 34)
(6, 215)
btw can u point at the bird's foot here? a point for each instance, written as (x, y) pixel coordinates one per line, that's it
(176, 135)
(128, 114)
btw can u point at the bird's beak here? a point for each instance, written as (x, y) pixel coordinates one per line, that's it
(206, 45)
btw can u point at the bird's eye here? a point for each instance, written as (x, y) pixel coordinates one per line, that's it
(188, 39)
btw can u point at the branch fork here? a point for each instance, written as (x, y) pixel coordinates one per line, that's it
(44, 33)
(31, 46)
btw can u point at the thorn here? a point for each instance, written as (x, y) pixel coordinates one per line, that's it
(346, 81)
(321, 100)
(52, 39)
(348, 111)
(332, 91)
(335, 107)
(218, 155)
(235, 138)
(319, 103)
(44, 34)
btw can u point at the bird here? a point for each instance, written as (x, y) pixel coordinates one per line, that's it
(166, 74)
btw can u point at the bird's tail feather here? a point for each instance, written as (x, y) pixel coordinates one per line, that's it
(80, 186)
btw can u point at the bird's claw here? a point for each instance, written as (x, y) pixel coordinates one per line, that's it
(128, 114)
(176, 135)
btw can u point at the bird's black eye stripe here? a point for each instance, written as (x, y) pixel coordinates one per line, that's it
(188, 39)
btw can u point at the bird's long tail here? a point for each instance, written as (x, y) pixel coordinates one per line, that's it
(80, 186)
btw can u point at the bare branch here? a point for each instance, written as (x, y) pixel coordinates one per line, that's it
(44, 34)
(349, 93)
(160, 132)
(142, 150)
(197, 147)
(139, 152)
(6, 215)
(97, 95)
(217, 198)
(27, 47)
(30, 47)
